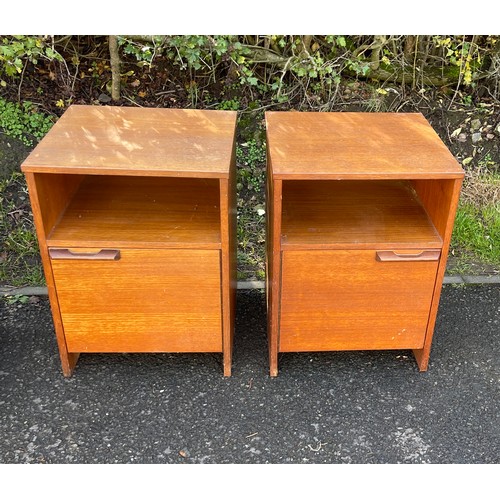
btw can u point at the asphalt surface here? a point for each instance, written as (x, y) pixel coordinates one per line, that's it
(323, 408)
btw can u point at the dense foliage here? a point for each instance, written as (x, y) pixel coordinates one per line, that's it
(304, 70)
(454, 80)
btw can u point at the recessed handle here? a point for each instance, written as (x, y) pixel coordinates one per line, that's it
(391, 256)
(67, 254)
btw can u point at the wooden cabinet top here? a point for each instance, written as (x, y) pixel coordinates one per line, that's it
(346, 145)
(137, 141)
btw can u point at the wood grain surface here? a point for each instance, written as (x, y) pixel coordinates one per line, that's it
(148, 301)
(441, 200)
(349, 145)
(47, 204)
(346, 299)
(136, 212)
(137, 206)
(137, 141)
(342, 189)
(354, 214)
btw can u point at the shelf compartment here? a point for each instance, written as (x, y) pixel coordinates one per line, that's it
(330, 214)
(140, 212)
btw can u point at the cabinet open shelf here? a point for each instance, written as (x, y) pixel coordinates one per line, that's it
(141, 212)
(354, 214)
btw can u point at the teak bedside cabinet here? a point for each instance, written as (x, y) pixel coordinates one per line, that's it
(135, 214)
(360, 213)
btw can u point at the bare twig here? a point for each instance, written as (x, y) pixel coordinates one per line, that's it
(461, 69)
(320, 445)
(21, 81)
(114, 59)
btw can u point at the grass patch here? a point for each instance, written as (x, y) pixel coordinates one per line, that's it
(475, 243)
(477, 232)
(20, 262)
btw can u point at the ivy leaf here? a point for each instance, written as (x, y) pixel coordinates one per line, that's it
(341, 41)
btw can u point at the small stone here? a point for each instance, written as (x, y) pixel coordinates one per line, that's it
(104, 98)
(462, 137)
(497, 129)
(490, 136)
(475, 124)
(476, 137)
(260, 210)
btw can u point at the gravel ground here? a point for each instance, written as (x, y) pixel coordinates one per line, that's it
(323, 408)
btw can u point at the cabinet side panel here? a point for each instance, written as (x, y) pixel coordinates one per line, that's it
(273, 263)
(269, 235)
(440, 199)
(54, 192)
(47, 208)
(228, 262)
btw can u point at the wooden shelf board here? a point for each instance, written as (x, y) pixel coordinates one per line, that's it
(140, 212)
(354, 214)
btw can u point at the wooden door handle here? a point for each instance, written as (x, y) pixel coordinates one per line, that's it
(391, 256)
(67, 254)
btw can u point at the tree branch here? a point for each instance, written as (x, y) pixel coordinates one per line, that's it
(114, 59)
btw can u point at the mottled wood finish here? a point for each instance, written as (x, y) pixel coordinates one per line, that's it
(360, 213)
(440, 199)
(116, 140)
(307, 145)
(46, 208)
(133, 212)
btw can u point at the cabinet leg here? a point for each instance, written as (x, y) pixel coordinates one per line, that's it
(422, 358)
(273, 363)
(68, 362)
(227, 364)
